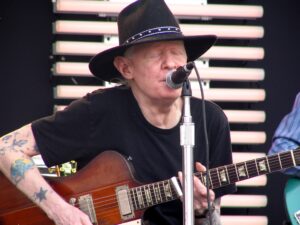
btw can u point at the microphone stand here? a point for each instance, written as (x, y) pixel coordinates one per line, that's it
(187, 142)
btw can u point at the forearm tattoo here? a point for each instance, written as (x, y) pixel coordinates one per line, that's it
(11, 143)
(14, 143)
(19, 168)
(41, 195)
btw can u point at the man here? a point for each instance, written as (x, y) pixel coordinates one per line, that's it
(140, 120)
(287, 135)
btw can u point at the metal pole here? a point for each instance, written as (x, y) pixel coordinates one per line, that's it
(187, 142)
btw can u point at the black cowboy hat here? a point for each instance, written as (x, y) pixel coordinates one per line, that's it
(146, 21)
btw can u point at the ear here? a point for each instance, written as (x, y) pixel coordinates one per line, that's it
(123, 66)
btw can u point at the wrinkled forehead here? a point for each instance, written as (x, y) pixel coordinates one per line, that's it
(178, 44)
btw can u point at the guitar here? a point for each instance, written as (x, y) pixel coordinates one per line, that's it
(108, 193)
(291, 194)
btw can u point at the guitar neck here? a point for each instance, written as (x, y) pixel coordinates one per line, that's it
(163, 191)
(225, 175)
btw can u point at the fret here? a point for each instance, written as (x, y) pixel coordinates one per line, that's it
(236, 172)
(261, 165)
(226, 170)
(148, 195)
(220, 183)
(223, 175)
(219, 179)
(286, 159)
(246, 169)
(158, 190)
(162, 190)
(144, 196)
(256, 166)
(172, 190)
(274, 163)
(156, 193)
(167, 190)
(232, 173)
(214, 179)
(203, 178)
(279, 159)
(133, 198)
(293, 158)
(210, 180)
(241, 171)
(251, 168)
(152, 194)
(267, 162)
(140, 197)
(296, 154)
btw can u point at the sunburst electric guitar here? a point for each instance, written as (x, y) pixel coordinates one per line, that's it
(108, 193)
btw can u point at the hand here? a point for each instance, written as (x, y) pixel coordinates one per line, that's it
(200, 191)
(69, 215)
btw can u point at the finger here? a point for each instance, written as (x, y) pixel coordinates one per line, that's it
(212, 195)
(180, 176)
(200, 167)
(199, 187)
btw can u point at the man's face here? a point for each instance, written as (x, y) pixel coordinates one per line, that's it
(149, 65)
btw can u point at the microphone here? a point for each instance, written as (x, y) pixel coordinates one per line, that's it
(176, 78)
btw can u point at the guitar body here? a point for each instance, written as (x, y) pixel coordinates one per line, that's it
(99, 178)
(292, 200)
(108, 193)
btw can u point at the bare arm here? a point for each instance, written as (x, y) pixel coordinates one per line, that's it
(16, 150)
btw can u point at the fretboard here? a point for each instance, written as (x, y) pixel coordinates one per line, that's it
(225, 175)
(163, 191)
(152, 194)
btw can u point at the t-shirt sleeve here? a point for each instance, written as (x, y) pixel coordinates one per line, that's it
(64, 135)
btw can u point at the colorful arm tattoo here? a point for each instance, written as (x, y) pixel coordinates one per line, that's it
(19, 168)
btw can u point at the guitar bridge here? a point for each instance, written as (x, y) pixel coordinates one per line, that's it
(124, 202)
(86, 205)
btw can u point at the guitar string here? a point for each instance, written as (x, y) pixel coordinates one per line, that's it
(113, 204)
(271, 163)
(230, 169)
(112, 199)
(252, 169)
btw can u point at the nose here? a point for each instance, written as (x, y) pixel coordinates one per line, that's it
(169, 62)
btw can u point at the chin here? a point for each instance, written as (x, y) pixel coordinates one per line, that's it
(172, 94)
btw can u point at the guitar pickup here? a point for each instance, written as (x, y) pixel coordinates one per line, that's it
(124, 202)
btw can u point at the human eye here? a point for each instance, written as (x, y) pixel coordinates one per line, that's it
(178, 52)
(154, 54)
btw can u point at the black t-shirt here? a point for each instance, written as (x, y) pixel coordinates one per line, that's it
(112, 120)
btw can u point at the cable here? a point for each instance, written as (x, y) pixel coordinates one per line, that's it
(206, 143)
